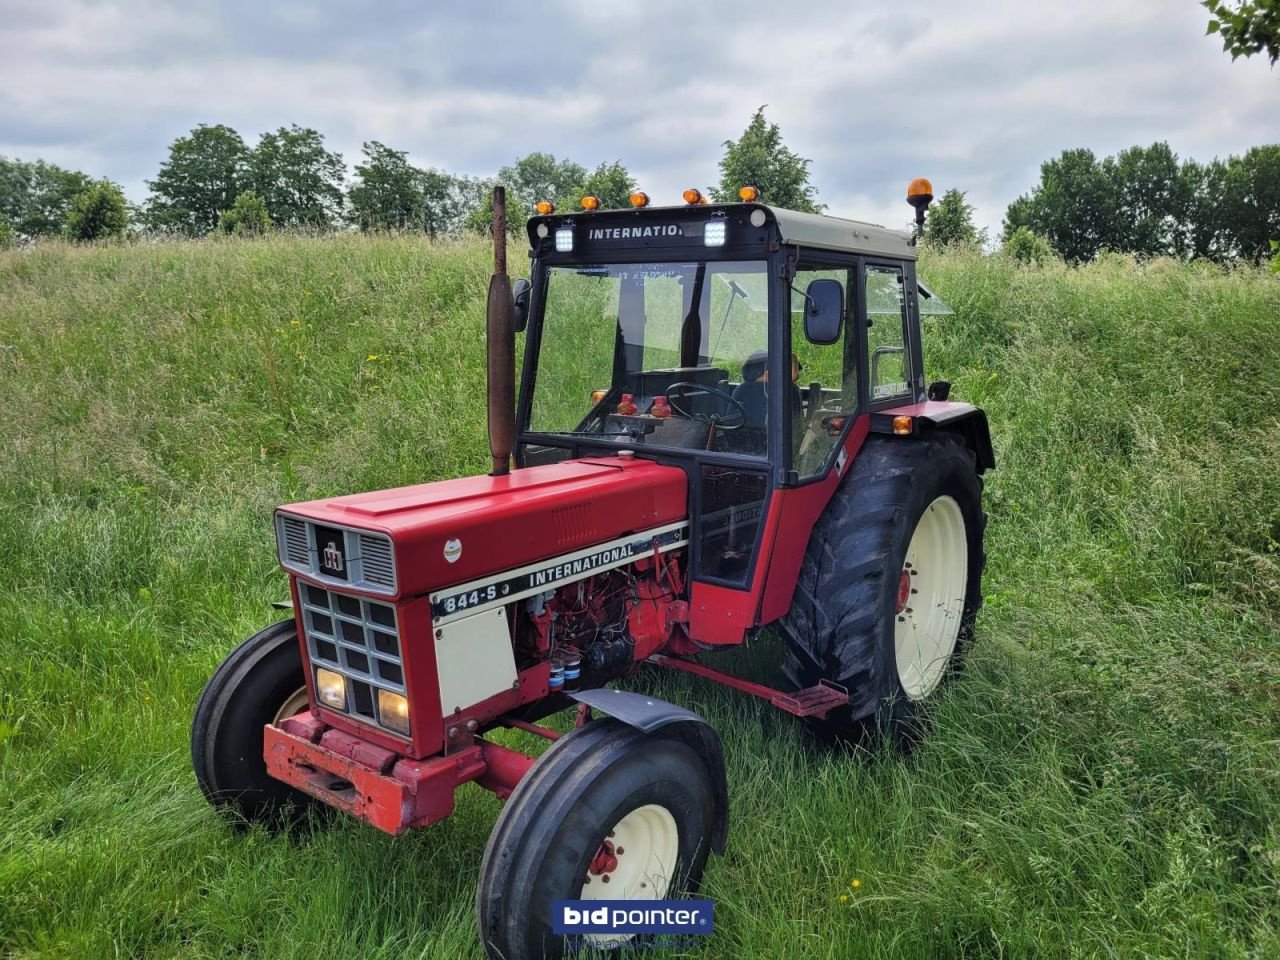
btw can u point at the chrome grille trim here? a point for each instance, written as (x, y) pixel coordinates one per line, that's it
(358, 638)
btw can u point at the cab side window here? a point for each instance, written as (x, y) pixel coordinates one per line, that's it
(825, 383)
(888, 357)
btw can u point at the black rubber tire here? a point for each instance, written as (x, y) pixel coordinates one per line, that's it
(558, 816)
(841, 623)
(242, 696)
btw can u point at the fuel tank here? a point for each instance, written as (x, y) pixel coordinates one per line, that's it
(455, 531)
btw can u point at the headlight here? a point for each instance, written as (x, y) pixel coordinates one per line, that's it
(393, 712)
(331, 689)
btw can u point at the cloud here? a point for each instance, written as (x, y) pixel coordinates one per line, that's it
(973, 95)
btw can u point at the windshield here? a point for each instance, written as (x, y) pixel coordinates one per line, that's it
(667, 354)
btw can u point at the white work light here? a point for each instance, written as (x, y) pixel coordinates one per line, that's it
(713, 233)
(564, 240)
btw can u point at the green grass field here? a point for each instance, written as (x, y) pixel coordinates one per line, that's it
(1103, 781)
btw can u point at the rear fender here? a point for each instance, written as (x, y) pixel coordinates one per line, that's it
(932, 416)
(648, 715)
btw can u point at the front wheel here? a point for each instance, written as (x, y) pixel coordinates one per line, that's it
(608, 813)
(260, 682)
(891, 582)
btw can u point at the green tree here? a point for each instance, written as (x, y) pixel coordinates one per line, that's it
(205, 172)
(1147, 211)
(298, 179)
(1251, 201)
(97, 213)
(1073, 206)
(388, 191)
(534, 177)
(1205, 229)
(1246, 27)
(950, 221)
(1027, 246)
(247, 216)
(539, 176)
(610, 182)
(36, 197)
(8, 236)
(448, 201)
(758, 158)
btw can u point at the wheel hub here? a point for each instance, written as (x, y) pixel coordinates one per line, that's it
(904, 590)
(605, 861)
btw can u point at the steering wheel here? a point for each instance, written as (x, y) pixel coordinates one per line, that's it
(695, 388)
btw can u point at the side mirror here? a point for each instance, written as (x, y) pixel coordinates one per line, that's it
(823, 311)
(520, 292)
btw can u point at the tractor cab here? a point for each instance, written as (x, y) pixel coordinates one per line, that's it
(738, 341)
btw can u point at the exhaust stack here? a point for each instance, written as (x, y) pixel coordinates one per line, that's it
(501, 345)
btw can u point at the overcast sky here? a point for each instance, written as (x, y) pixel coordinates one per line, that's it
(973, 95)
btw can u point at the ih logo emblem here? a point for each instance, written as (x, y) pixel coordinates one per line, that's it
(331, 545)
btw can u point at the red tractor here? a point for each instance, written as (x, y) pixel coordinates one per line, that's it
(722, 425)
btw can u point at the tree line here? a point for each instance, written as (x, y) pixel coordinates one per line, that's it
(1143, 200)
(213, 180)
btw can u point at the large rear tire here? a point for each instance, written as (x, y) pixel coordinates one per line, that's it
(891, 583)
(608, 812)
(260, 682)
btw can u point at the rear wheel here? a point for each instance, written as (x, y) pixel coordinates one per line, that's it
(891, 582)
(608, 813)
(259, 682)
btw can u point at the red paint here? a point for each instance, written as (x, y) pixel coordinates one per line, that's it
(605, 860)
(797, 510)
(506, 522)
(721, 615)
(389, 792)
(904, 590)
(811, 702)
(504, 768)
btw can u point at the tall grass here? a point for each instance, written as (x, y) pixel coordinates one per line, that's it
(1102, 781)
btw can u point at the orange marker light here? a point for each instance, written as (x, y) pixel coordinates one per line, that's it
(919, 187)
(639, 199)
(598, 395)
(590, 203)
(545, 207)
(749, 194)
(902, 426)
(693, 195)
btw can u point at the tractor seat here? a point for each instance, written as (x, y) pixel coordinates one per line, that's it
(754, 397)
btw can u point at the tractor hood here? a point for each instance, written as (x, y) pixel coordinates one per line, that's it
(455, 531)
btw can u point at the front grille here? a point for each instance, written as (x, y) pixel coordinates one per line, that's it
(363, 560)
(357, 638)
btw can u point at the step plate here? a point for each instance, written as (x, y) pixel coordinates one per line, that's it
(815, 701)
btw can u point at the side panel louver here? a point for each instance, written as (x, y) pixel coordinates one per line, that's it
(295, 541)
(375, 554)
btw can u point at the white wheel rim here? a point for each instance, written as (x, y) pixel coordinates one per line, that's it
(636, 861)
(296, 702)
(934, 575)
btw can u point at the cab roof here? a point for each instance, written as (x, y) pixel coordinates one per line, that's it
(837, 233)
(789, 227)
